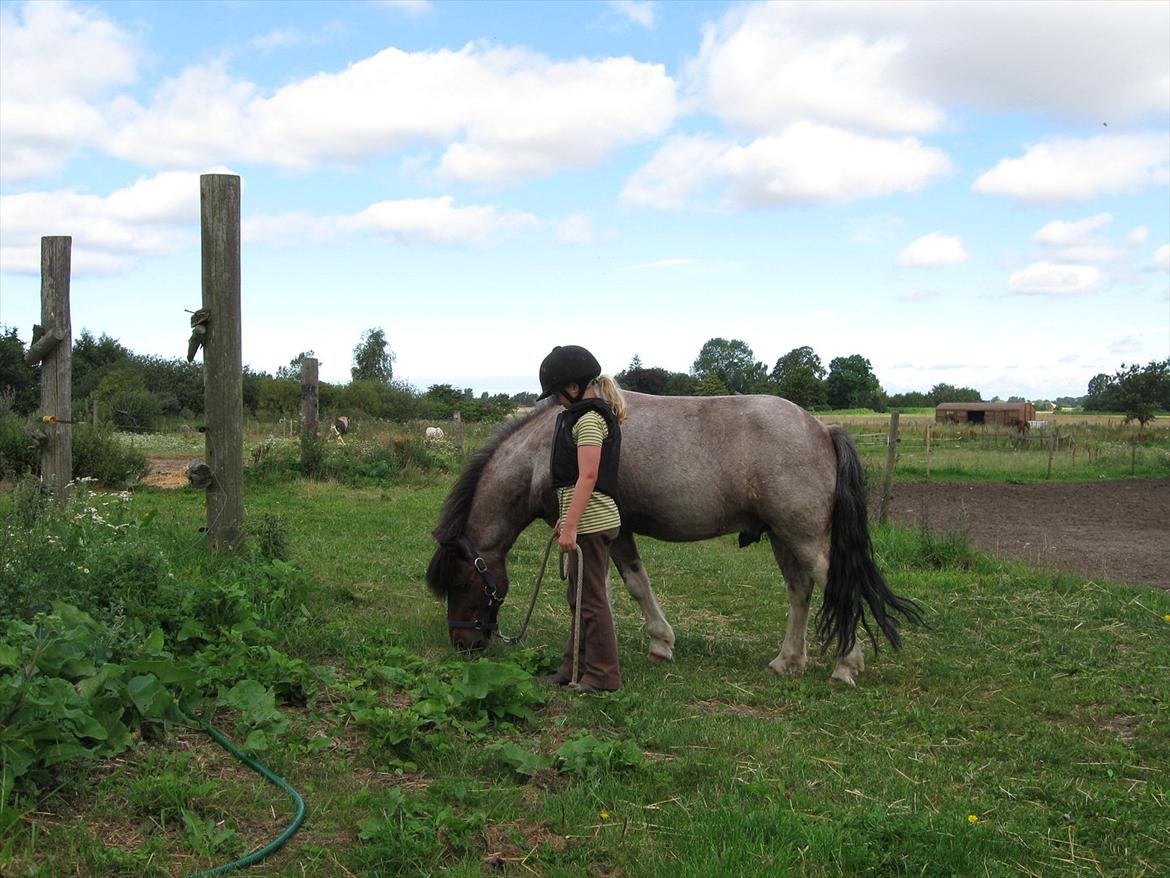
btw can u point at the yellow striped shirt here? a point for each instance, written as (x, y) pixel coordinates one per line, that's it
(602, 512)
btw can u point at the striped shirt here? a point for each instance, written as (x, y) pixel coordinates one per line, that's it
(602, 512)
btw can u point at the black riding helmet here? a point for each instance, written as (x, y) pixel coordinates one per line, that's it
(567, 364)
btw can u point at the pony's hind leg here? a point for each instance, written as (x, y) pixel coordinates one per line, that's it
(633, 572)
(799, 578)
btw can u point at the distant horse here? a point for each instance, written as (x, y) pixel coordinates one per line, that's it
(692, 468)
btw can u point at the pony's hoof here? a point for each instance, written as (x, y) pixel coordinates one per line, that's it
(845, 675)
(786, 667)
(660, 652)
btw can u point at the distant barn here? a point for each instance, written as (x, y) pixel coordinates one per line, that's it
(1006, 414)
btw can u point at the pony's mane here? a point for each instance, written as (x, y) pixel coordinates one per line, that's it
(457, 506)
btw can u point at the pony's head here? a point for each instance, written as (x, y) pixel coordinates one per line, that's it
(474, 588)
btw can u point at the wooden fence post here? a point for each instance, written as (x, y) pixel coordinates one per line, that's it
(52, 350)
(929, 429)
(457, 429)
(223, 378)
(1051, 451)
(310, 398)
(891, 455)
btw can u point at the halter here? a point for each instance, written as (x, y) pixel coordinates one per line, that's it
(491, 601)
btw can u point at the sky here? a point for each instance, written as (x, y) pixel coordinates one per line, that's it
(972, 194)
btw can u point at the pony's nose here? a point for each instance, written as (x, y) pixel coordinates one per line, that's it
(469, 641)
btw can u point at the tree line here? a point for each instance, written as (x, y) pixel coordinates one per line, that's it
(135, 391)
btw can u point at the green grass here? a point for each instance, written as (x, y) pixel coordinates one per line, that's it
(1036, 703)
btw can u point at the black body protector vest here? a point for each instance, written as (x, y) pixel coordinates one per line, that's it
(563, 465)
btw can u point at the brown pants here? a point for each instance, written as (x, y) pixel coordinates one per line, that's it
(597, 663)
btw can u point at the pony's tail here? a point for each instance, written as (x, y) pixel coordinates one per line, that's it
(611, 393)
(853, 574)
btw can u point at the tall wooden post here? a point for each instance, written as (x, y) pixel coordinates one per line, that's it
(310, 397)
(223, 375)
(52, 350)
(457, 429)
(891, 456)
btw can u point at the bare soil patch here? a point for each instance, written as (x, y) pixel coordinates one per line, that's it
(1108, 530)
(168, 472)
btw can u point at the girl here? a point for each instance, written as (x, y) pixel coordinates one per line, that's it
(584, 469)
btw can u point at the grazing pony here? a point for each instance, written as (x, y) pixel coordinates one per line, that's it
(692, 468)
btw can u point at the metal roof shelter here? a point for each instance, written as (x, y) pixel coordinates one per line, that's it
(1008, 414)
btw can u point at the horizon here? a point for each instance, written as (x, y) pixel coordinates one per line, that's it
(962, 193)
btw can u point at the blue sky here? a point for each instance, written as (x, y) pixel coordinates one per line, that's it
(974, 194)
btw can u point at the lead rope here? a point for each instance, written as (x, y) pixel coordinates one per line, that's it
(513, 641)
(573, 684)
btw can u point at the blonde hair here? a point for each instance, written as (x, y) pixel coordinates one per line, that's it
(608, 390)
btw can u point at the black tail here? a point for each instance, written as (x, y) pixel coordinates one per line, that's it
(853, 574)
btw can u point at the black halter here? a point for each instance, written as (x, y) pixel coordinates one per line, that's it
(491, 600)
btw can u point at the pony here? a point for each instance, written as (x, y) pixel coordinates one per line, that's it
(691, 468)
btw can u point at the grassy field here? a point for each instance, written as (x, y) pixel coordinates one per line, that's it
(1026, 732)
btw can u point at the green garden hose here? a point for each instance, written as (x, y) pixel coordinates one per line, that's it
(271, 847)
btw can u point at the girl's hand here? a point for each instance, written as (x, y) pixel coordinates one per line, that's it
(567, 539)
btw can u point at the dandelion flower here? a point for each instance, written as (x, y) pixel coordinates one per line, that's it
(604, 815)
(1166, 618)
(972, 819)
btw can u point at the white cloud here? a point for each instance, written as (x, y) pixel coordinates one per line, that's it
(575, 229)
(55, 60)
(1053, 279)
(808, 163)
(410, 7)
(637, 11)
(1068, 170)
(153, 216)
(504, 114)
(1063, 233)
(668, 263)
(1138, 235)
(1127, 345)
(437, 221)
(1162, 257)
(891, 66)
(763, 67)
(932, 251)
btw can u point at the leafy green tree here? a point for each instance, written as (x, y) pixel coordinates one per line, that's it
(92, 358)
(911, 399)
(295, 367)
(711, 385)
(1102, 394)
(852, 384)
(15, 374)
(799, 376)
(679, 384)
(941, 393)
(372, 358)
(1142, 390)
(732, 363)
(638, 378)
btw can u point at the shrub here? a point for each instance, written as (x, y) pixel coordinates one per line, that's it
(99, 455)
(135, 411)
(18, 451)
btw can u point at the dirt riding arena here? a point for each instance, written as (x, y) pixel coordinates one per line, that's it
(1119, 530)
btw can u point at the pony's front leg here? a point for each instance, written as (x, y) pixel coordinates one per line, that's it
(633, 572)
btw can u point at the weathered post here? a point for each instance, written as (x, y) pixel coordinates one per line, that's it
(223, 376)
(457, 429)
(310, 440)
(888, 483)
(929, 429)
(1051, 451)
(52, 350)
(310, 397)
